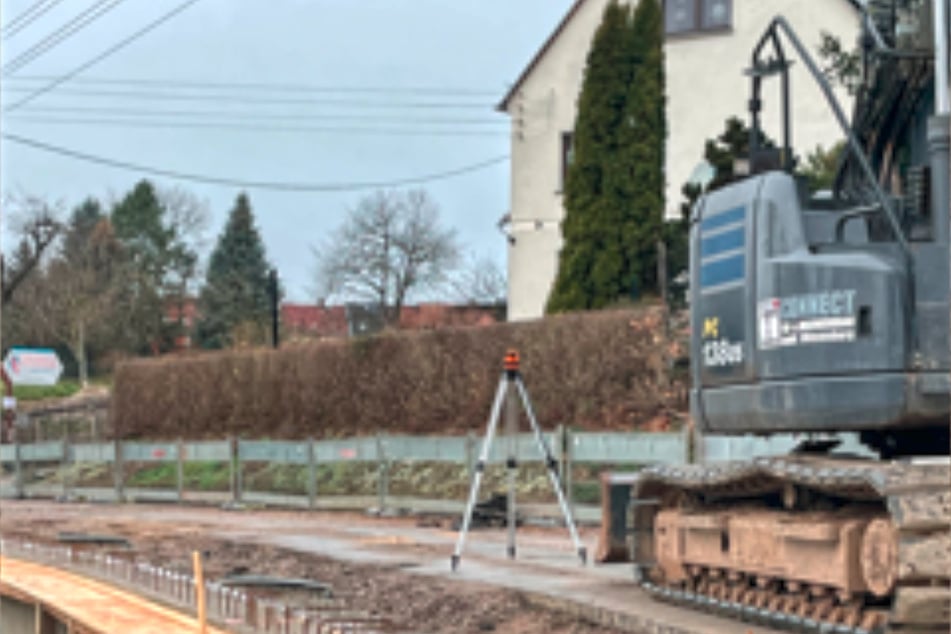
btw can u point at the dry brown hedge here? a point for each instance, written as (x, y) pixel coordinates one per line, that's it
(591, 370)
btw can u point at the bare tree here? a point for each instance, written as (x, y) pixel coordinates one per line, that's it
(481, 281)
(79, 293)
(187, 217)
(390, 246)
(37, 223)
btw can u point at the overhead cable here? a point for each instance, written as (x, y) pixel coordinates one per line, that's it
(258, 127)
(197, 84)
(154, 95)
(30, 15)
(60, 35)
(251, 184)
(105, 54)
(244, 115)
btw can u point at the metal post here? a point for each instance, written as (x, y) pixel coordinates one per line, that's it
(382, 475)
(180, 469)
(117, 475)
(311, 474)
(232, 474)
(568, 468)
(66, 463)
(470, 454)
(18, 469)
(274, 292)
(238, 486)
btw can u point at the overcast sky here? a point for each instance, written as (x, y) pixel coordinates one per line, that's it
(395, 67)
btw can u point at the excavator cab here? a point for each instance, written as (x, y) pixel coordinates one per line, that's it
(830, 314)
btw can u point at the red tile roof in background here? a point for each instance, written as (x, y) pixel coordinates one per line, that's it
(331, 321)
(427, 316)
(314, 321)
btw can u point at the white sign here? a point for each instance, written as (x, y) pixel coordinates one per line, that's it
(802, 319)
(33, 366)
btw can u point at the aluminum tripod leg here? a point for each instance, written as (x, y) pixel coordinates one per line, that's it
(480, 470)
(552, 471)
(511, 461)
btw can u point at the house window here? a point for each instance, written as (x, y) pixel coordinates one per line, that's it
(567, 156)
(691, 16)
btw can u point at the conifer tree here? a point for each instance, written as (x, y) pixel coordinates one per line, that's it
(614, 189)
(642, 148)
(139, 223)
(235, 295)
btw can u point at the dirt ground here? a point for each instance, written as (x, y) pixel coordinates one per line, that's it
(412, 602)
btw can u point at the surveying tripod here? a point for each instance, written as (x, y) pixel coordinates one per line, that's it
(509, 384)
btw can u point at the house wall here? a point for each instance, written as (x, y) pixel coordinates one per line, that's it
(543, 109)
(705, 85)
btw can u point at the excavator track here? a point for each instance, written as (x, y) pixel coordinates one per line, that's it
(811, 543)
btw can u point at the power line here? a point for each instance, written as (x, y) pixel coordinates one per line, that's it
(30, 15)
(60, 35)
(255, 99)
(107, 53)
(201, 85)
(254, 116)
(236, 182)
(215, 125)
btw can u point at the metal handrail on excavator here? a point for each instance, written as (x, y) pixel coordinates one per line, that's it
(762, 68)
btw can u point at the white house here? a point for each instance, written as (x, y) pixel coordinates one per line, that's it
(708, 46)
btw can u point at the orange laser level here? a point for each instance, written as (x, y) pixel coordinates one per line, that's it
(511, 360)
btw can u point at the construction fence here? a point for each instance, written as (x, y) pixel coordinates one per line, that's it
(384, 472)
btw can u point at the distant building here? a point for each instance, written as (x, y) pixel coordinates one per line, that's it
(708, 46)
(303, 321)
(180, 316)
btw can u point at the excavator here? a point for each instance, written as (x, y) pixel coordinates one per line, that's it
(816, 315)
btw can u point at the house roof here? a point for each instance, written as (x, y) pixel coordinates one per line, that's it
(504, 104)
(329, 321)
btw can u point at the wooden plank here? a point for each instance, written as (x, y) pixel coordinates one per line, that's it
(921, 511)
(922, 606)
(923, 558)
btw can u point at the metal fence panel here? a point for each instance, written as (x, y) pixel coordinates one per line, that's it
(359, 449)
(213, 451)
(273, 451)
(428, 448)
(98, 452)
(629, 448)
(42, 452)
(149, 451)
(526, 448)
